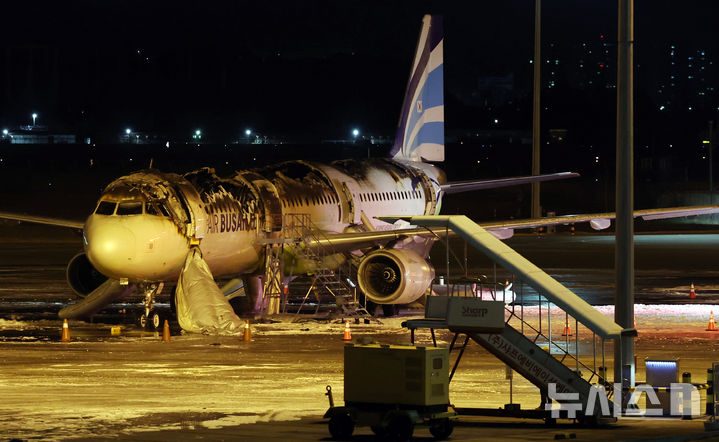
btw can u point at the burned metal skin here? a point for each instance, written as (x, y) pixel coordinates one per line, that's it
(146, 222)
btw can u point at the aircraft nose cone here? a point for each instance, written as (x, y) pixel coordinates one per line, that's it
(111, 249)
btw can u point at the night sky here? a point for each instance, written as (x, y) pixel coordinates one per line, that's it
(304, 68)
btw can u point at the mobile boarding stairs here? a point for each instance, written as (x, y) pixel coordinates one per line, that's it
(529, 348)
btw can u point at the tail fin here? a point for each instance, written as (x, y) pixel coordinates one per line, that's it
(420, 133)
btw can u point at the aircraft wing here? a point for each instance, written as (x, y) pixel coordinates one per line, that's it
(43, 220)
(502, 229)
(600, 221)
(466, 186)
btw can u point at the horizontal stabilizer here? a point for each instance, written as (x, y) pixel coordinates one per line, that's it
(106, 293)
(466, 186)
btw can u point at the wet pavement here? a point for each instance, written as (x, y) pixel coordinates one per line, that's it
(133, 386)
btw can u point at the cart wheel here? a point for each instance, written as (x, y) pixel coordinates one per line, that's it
(378, 430)
(441, 428)
(400, 428)
(341, 426)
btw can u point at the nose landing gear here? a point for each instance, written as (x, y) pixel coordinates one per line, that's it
(151, 319)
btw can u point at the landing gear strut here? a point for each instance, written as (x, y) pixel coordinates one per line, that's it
(151, 318)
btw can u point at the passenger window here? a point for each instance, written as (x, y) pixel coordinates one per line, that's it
(130, 208)
(105, 208)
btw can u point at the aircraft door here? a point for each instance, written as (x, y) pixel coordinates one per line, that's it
(197, 224)
(350, 193)
(271, 204)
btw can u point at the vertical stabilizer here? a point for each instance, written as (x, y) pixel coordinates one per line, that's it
(420, 133)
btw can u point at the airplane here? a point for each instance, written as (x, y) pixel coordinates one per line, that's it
(150, 228)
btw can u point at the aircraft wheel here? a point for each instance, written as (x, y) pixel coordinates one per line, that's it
(143, 321)
(155, 320)
(441, 429)
(341, 426)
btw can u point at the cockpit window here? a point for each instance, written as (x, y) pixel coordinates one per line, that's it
(105, 208)
(156, 208)
(130, 208)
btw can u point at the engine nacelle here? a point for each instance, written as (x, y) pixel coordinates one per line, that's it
(81, 276)
(600, 223)
(394, 276)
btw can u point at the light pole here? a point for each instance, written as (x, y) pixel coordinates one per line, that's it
(34, 117)
(536, 211)
(128, 131)
(711, 165)
(624, 367)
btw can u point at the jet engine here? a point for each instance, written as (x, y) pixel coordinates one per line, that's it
(394, 276)
(82, 277)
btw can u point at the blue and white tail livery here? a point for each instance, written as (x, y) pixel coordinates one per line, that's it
(420, 133)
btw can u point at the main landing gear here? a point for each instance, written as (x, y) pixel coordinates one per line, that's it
(152, 318)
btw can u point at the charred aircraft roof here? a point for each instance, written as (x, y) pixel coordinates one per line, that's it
(360, 169)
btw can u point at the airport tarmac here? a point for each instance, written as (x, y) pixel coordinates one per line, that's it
(133, 386)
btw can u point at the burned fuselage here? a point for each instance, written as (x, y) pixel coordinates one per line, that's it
(146, 222)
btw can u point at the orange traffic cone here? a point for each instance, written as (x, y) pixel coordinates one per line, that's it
(692, 293)
(247, 337)
(65, 332)
(711, 326)
(567, 329)
(348, 335)
(166, 332)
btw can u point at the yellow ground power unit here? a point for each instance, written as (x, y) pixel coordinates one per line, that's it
(396, 374)
(393, 389)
